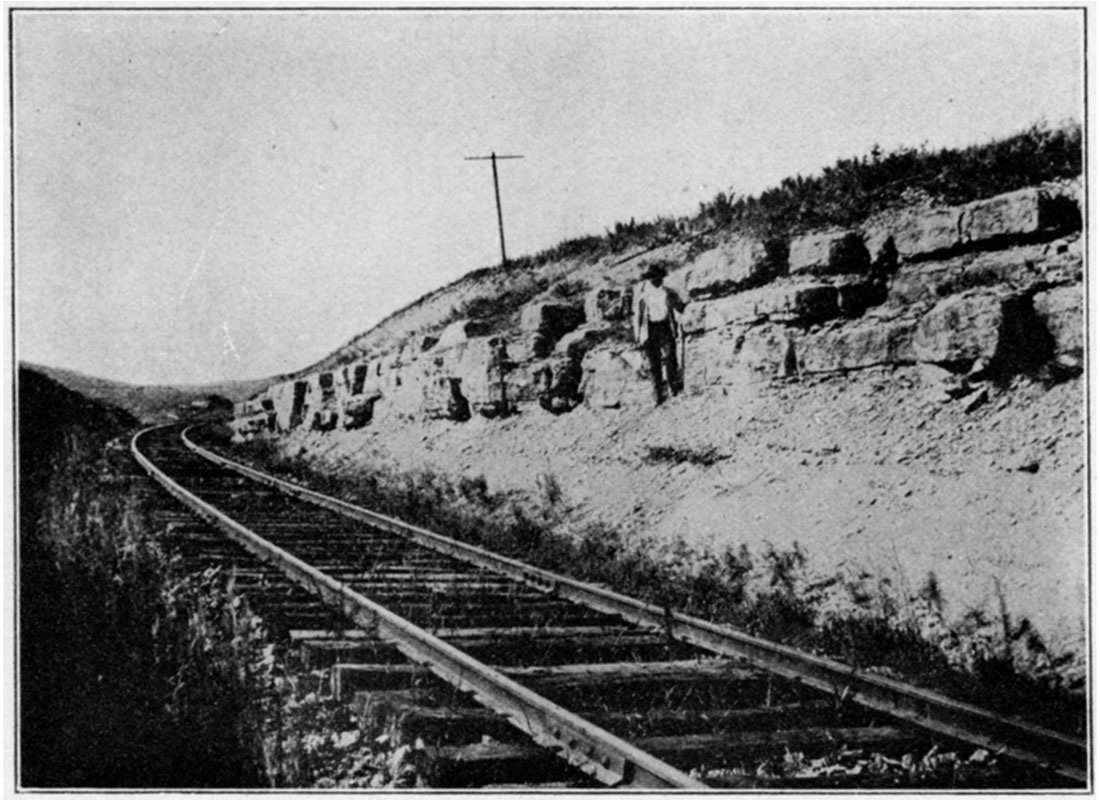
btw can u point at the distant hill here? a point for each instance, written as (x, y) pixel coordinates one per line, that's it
(152, 403)
(49, 414)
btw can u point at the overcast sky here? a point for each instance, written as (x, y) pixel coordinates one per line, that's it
(205, 194)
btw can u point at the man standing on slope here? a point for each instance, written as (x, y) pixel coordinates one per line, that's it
(657, 329)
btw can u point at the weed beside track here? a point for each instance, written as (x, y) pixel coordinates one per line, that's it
(770, 596)
(128, 675)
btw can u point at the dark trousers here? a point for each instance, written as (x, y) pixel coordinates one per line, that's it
(664, 366)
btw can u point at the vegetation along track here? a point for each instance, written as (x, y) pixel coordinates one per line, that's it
(477, 655)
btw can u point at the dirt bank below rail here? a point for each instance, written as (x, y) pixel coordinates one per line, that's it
(869, 472)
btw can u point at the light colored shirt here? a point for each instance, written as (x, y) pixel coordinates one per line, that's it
(656, 301)
(653, 304)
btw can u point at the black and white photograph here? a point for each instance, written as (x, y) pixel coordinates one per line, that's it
(549, 399)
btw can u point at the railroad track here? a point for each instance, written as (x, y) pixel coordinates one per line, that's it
(507, 669)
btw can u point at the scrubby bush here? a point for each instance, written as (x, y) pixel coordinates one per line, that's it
(672, 454)
(855, 188)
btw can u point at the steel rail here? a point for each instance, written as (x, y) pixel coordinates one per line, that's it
(604, 756)
(1021, 742)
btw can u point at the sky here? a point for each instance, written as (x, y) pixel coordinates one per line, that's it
(204, 195)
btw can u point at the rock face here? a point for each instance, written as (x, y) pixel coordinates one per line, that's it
(576, 344)
(607, 304)
(829, 253)
(961, 329)
(614, 378)
(992, 326)
(869, 344)
(856, 295)
(1061, 310)
(739, 355)
(803, 302)
(460, 331)
(546, 322)
(735, 265)
(923, 233)
(990, 222)
(991, 287)
(288, 399)
(1022, 213)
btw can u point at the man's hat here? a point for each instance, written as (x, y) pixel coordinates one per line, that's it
(654, 270)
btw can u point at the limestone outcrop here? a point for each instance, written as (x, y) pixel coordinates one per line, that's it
(735, 265)
(543, 323)
(607, 303)
(990, 287)
(830, 253)
(1061, 312)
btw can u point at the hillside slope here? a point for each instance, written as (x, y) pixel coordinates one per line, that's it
(901, 396)
(151, 403)
(873, 475)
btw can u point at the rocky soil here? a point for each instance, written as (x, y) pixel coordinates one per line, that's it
(874, 473)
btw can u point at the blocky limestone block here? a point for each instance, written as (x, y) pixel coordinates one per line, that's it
(709, 360)
(922, 232)
(1073, 190)
(881, 247)
(804, 302)
(733, 266)
(854, 296)
(408, 352)
(737, 355)
(961, 328)
(556, 383)
(545, 322)
(1064, 262)
(440, 396)
(521, 350)
(359, 411)
(1008, 214)
(539, 345)
(768, 351)
(358, 374)
(1062, 311)
(401, 391)
(523, 385)
(615, 378)
(1020, 213)
(467, 362)
(324, 383)
(460, 331)
(856, 346)
(320, 402)
(829, 253)
(246, 426)
(288, 398)
(551, 319)
(575, 344)
(253, 405)
(1020, 267)
(607, 304)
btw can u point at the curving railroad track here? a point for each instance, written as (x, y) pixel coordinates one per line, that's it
(506, 669)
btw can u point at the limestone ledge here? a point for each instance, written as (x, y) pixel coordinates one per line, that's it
(992, 285)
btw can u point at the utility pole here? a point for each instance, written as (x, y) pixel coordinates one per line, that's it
(496, 188)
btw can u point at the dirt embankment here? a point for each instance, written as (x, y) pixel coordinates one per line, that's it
(904, 401)
(874, 472)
